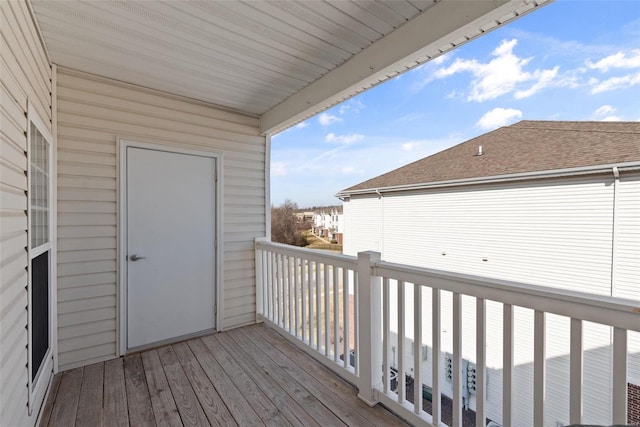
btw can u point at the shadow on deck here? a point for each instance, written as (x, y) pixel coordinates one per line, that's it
(249, 376)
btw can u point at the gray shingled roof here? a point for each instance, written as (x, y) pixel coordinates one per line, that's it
(527, 146)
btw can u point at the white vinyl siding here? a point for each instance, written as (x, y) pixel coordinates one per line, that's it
(25, 79)
(363, 224)
(92, 114)
(555, 232)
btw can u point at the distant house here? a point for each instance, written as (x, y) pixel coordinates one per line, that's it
(540, 202)
(329, 223)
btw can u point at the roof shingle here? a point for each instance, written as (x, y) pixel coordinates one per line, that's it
(527, 146)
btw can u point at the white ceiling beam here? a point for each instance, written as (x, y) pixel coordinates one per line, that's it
(447, 23)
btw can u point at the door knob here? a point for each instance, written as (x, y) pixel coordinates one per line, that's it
(135, 257)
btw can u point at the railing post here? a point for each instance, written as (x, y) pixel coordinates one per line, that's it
(369, 329)
(260, 278)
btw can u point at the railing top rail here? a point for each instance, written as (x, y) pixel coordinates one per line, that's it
(618, 312)
(338, 260)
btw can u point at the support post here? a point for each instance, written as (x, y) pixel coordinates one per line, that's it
(260, 278)
(369, 329)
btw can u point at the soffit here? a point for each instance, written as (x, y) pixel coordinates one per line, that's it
(252, 56)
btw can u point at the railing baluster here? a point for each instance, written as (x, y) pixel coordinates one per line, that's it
(507, 366)
(336, 314)
(401, 380)
(304, 268)
(539, 367)
(481, 361)
(277, 295)
(346, 304)
(327, 312)
(386, 347)
(286, 264)
(575, 372)
(619, 395)
(457, 360)
(272, 288)
(436, 403)
(318, 308)
(312, 315)
(417, 348)
(297, 271)
(292, 295)
(356, 324)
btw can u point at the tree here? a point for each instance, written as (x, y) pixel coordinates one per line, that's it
(285, 227)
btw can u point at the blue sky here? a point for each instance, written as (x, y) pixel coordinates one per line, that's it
(570, 60)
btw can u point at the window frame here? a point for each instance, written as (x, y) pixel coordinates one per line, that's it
(38, 383)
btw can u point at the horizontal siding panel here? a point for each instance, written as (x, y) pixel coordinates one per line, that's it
(83, 292)
(80, 317)
(86, 267)
(70, 359)
(93, 114)
(80, 219)
(84, 207)
(86, 341)
(87, 280)
(12, 176)
(86, 170)
(87, 329)
(81, 256)
(76, 306)
(66, 232)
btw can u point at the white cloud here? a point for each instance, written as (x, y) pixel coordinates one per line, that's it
(614, 83)
(544, 77)
(344, 139)
(278, 169)
(611, 119)
(410, 146)
(302, 125)
(351, 170)
(604, 110)
(617, 60)
(501, 75)
(325, 119)
(498, 117)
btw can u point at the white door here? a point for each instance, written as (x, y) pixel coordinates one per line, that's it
(170, 244)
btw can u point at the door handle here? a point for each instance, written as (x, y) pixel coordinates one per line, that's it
(135, 257)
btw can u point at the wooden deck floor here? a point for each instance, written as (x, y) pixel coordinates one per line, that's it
(248, 377)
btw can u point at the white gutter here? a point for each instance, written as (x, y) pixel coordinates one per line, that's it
(555, 173)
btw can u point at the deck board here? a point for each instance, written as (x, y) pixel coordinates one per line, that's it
(245, 377)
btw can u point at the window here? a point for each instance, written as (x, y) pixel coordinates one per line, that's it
(39, 235)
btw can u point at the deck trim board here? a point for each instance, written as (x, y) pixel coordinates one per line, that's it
(91, 396)
(321, 382)
(190, 410)
(298, 390)
(213, 406)
(267, 411)
(140, 409)
(248, 376)
(270, 387)
(241, 410)
(115, 394)
(162, 403)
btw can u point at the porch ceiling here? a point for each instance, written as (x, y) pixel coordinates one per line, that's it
(281, 60)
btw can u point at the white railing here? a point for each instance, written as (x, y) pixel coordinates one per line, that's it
(308, 294)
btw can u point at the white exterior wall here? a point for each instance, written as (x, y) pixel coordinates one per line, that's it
(549, 232)
(92, 114)
(25, 79)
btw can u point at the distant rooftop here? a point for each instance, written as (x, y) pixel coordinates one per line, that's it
(524, 147)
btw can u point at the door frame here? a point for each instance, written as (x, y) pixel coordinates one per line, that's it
(123, 144)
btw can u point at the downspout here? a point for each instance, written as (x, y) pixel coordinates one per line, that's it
(381, 245)
(614, 231)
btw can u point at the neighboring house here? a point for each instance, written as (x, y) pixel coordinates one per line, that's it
(329, 223)
(539, 202)
(134, 153)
